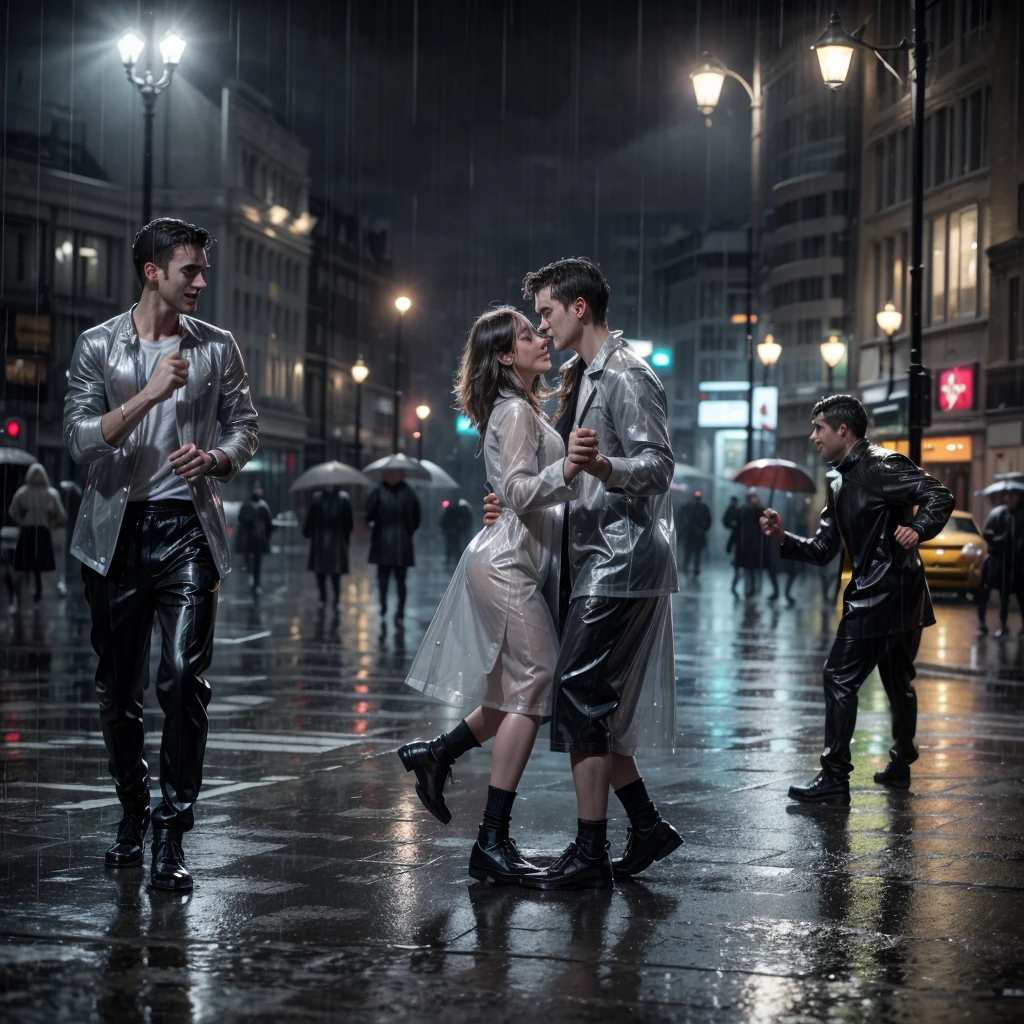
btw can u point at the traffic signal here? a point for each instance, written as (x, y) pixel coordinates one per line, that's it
(14, 431)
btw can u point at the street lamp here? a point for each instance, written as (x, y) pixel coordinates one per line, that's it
(833, 352)
(403, 304)
(835, 49)
(422, 412)
(708, 80)
(130, 46)
(889, 321)
(768, 352)
(360, 371)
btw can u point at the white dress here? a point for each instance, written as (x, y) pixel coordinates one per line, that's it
(493, 640)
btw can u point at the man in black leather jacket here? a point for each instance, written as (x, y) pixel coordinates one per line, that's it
(870, 508)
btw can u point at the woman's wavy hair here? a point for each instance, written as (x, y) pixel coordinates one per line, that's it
(483, 377)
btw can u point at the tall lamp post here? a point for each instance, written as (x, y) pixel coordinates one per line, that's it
(403, 304)
(360, 371)
(768, 351)
(422, 412)
(130, 46)
(889, 321)
(835, 49)
(708, 80)
(833, 352)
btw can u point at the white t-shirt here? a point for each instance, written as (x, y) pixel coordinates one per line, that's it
(154, 478)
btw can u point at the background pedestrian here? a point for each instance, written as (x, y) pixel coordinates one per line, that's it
(328, 526)
(393, 515)
(37, 510)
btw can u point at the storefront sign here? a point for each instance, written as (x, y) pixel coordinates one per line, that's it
(955, 388)
(721, 413)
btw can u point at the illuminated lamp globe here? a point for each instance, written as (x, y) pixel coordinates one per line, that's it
(889, 320)
(834, 48)
(833, 351)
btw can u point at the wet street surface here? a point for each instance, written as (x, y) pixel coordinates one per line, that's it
(324, 891)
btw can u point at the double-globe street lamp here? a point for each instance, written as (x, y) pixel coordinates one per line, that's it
(768, 351)
(834, 49)
(130, 46)
(422, 412)
(360, 371)
(889, 321)
(403, 304)
(833, 352)
(708, 80)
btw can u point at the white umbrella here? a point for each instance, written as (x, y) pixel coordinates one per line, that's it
(1004, 487)
(439, 478)
(329, 474)
(398, 463)
(15, 456)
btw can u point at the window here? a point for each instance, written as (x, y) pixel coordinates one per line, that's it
(813, 206)
(812, 248)
(809, 332)
(879, 161)
(248, 257)
(838, 286)
(840, 246)
(937, 271)
(247, 314)
(840, 203)
(940, 25)
(1013, 319)
(937, 167)
(963, 263)
(973, 132)
(1020, 206)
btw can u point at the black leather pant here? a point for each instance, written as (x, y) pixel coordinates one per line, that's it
(849, 663)
(162, 567)
(383, 577)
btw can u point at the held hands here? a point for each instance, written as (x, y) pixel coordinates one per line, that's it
(771, 526)
(907, 537)
(492, 510)
(584, 455)
(192, 462)
(170, 374)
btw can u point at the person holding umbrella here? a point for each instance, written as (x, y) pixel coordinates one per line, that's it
(869, 508)
(393, 515)
(328, 527)
(1003, 569)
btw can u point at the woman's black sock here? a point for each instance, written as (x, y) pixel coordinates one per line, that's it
(643, 815)
(450, 746)
(497, 816)
(591, 837)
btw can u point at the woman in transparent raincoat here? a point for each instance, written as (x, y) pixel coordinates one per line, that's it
(493, 641)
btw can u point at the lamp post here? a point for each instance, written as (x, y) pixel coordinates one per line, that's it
(130, 47)
(422, 412)
(360, 371)
(833, 352)
(768, 351)
(889, 321)
(834, 49)
(708, 80)
(403, 304)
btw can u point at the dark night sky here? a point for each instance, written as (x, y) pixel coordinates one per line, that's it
(489, 135)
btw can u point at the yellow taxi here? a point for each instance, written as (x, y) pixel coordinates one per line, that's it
(952, 560)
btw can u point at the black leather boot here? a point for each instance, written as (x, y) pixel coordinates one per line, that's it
(895, 775)
(169, 870)
(822, 789)
(643, 848)
(496, 859)
(573, 870)
(130, 844)
(431, 776)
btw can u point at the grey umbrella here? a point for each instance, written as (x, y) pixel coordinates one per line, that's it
(398, 463)
(329, 474)
(1004, 487)
(15, 456)
(439, 479)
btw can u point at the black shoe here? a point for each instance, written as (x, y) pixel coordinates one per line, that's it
(499, 863)
(130, 844)
(822, 789)
(169, 870)
(982, 629)
(644, 848)
(430, 777)
(574, 870)
(895, 775)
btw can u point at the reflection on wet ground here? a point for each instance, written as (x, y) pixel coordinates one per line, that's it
(324, 889)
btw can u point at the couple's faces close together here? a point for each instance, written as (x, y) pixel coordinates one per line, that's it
(531, 355)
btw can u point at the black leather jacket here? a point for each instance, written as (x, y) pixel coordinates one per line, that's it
(875, 493)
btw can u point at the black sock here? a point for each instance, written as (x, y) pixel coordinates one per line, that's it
(497, 815)
(643, 815)
(450, 746)
(591, 836)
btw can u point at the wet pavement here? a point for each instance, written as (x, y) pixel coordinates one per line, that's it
(324, 890)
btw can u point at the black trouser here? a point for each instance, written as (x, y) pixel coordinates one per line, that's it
(1005, 592)
(692, 553)
(849, 663)
(383, 576)
(254, 561)
(321, 582)
(162, 567)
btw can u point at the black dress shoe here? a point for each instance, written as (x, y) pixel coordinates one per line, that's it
(431, 776)
(130, 844)
(895, 775)
(499, 863)
(822, 789)
(643, 848)
(573, 870)
(169, 870)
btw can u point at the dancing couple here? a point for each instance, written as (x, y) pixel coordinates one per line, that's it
(579, 545)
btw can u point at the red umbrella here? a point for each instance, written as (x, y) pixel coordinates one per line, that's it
(776, 475)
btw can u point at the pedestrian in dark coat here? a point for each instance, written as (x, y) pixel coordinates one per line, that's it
(693, 521)
(255, 524)
(1003, 569)
(37, 509)
(328, 526)
(751, 550)
(393, 515)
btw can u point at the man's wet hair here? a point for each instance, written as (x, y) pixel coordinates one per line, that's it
(569, 280)
(160, 238)
(838, 409)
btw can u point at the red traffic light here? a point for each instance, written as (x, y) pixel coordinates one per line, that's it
(12, 428)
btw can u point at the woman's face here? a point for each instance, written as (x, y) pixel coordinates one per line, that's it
(530, 356)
